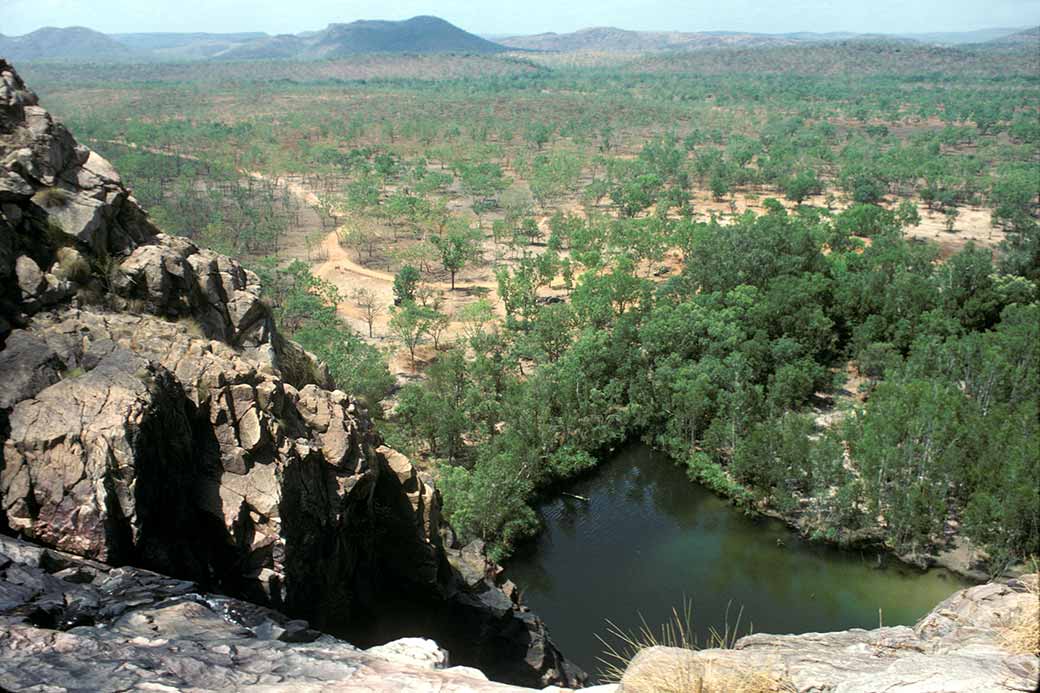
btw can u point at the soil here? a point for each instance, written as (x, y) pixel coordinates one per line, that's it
(312, 242)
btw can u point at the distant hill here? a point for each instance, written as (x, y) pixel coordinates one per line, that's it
(431, 35)
(424, 35)
(192, 46)
(1029, 36)
(281, 47)
(609, 39)
(64, 44)
(854, 57)
(814, 36)
(416, 35)
(953, 38)
(939, 38)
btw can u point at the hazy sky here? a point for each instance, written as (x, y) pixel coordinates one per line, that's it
(524, 16)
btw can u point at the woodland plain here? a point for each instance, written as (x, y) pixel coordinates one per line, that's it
(807, 273)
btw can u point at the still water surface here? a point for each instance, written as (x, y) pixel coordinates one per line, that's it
(649, 538)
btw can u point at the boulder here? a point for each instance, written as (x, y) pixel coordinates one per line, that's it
(80, 216)
(38, 289)
(29, 365)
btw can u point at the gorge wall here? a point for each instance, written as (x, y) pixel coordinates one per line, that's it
(152, 416)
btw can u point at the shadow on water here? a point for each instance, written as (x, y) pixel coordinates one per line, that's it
(648, 538)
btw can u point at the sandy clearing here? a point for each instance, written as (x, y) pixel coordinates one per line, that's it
(334, 264)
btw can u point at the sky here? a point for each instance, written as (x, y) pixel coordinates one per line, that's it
(506, 17)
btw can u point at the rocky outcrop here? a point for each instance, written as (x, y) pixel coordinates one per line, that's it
(151, 415)
(959, 647)
(71, 624)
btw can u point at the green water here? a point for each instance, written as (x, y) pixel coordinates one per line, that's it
(649, 538)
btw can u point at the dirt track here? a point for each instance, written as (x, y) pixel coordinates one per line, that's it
(333, 263)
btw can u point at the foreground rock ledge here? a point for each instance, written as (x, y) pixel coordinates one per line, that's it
(128, 628)
(957, 648)
(68, 623)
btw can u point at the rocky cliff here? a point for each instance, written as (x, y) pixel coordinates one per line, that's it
(151, 415)
(68, 623)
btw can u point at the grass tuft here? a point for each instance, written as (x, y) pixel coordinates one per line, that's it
(685, 674)
(192, 327)
(72, 266)
(75, 372)
(1021, 633)
(52, 198)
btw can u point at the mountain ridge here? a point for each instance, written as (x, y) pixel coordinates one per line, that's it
(184, 46)
(425, 34)
(608, 38)
(617, 39)
(1030, 35)
(421, 34)
(64, 43)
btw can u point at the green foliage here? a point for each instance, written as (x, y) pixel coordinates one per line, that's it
(436, 412)
(410, 324)
(405, 283)
(460, 246)
(305, 307)
(802, 185)
(716, 365)
(481, 180)
(636, 194)
(956, 427)
(868, 220)
(703, 470)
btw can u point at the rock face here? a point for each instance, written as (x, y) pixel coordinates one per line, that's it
(958, 647)
(73, 623)
(151, 415)
(69, 623)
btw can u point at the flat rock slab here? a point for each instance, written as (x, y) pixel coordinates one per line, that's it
(144, 631)
(957, 648)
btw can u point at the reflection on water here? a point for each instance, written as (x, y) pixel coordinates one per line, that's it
(649, 538)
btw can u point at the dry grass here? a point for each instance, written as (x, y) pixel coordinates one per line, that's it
(72, 266)
(106, 268)
(676, 632)
(687, 675)
(192, 327)
(135, 306)
(681, 674)
(75, 372)
(51, 198)
(1021, 634)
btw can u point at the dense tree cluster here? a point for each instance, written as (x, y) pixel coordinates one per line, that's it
(720, 366)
